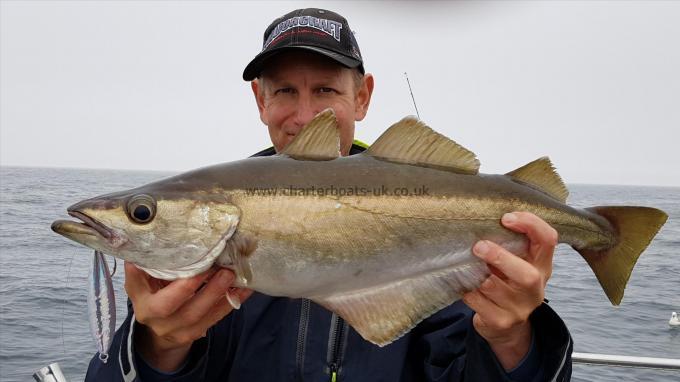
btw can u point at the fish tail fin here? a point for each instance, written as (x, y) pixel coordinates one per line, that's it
(634, 229)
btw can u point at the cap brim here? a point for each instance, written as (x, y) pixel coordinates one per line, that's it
(255, 67)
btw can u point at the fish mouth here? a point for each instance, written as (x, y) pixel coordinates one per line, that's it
(89, 226)
(92, 223)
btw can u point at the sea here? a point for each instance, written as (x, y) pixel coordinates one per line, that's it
(43, 279)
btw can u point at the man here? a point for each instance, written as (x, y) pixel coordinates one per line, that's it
(187, 331)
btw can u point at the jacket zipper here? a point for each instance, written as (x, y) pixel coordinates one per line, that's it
(564, 358)
(302, 338)
(336, 340)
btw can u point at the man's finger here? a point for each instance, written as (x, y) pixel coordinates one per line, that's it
(521, 302)
(244, 294)
(206, 298)
(498, 291)
(167, 300)
(489, 316)
(219, 310)
(485, 308)
(514, 269)
(543, 238)
(136, 281)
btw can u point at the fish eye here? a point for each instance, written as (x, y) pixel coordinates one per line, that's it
(141, 208)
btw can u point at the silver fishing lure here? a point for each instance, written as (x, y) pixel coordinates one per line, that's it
(101, 305)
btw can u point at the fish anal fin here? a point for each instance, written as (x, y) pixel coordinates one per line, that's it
(383, 313)
(318, 140)
(541, 174)
(411, 141)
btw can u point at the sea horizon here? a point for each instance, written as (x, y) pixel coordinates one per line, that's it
(175, 172)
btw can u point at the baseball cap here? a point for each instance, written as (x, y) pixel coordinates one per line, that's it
(312, 29)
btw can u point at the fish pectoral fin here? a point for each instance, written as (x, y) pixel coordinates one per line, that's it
(541, 174)
(235, 254)
(411, 141)
(383, 313)
(318, 140)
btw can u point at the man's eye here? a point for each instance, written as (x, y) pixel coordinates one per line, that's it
(327, 90)
(284, 91)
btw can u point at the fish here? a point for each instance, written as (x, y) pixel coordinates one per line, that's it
(382, 238)
(101, 305)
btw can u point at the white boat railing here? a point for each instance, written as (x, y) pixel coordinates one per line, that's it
(626, 361)
(52, 372)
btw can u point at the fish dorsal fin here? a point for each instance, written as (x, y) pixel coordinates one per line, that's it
(541, 174)
(318, 140)
(411, 141)
(383, 313)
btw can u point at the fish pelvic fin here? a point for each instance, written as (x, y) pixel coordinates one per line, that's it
(411, 141)
(383, 313)
(318, 140)
(541, 174)
(634, 228)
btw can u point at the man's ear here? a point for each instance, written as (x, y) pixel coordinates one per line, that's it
(363, 97)
(259, 98)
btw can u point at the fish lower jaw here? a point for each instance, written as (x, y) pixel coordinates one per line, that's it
(92, 235)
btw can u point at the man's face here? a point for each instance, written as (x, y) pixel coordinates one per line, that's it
(296, 86)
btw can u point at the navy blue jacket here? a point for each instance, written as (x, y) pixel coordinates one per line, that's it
(281, 339)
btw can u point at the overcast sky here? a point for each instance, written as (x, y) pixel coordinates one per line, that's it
(157, 85)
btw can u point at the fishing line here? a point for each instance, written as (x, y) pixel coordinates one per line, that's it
(412, 97)
(63, 304)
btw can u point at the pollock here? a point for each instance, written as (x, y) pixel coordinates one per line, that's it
(382, 238)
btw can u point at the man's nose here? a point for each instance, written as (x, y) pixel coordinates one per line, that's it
(306, 111)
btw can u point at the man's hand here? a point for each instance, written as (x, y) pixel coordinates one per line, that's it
(504, 301)
(175, 314)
